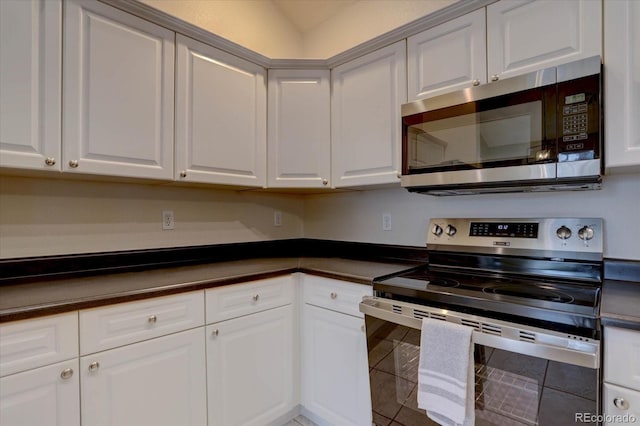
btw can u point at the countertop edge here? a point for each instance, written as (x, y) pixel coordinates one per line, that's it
(46, 309)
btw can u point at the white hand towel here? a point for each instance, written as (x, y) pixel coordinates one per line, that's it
(446, 385)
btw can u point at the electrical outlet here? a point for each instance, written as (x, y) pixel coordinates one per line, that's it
(277, 218)
(386, 221)
(168, 220)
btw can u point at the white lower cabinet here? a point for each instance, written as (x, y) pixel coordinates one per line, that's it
(620, 405)
(39, 382)
(334, 366)
(621, 394)
(45, 396)
(156, 382)
(250, 368)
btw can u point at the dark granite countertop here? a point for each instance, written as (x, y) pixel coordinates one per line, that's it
(33, 287)
(45, 297)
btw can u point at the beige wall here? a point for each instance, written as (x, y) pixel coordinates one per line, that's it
(45, 217)
(255, 24)
(358, 216)
(362, 21)
(260, 26)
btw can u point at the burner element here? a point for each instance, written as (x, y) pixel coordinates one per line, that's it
(442, 282)
(538, 293)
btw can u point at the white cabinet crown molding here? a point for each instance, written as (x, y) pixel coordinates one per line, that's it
(445, 14)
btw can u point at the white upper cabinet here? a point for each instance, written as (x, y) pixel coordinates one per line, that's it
(448, 57)
(299, 129)
(30, 83)
(221, 112)
(622, 85)
(118, 93)
(365, 117)
(527, 35)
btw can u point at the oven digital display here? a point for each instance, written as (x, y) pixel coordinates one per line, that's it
(504, 229)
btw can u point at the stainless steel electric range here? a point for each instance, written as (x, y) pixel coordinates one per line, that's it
(530, 289)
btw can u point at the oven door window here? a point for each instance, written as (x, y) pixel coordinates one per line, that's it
(510, 388)
(497, 132)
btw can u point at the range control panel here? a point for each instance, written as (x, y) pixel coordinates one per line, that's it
(577, 235)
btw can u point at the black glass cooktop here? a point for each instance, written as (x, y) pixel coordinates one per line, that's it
(499, 296)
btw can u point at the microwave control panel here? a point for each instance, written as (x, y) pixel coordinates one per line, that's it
(579, 119)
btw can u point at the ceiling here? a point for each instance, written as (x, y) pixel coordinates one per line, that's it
(307, 14)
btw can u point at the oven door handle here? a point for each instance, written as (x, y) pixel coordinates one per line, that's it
(563, 349)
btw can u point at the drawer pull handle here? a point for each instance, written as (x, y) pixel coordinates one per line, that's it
(73, 164)
(215, 332)
(256, 297)
(621, 403)
(94, 366)
(50, 161)
(152, 319)
(362, 328)
(66, 373)
(334, 295)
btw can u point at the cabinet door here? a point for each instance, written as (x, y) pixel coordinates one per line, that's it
(299, 135)
(448, 57)
(622, 85)
(221, 111)
(365, 118)
(622, 357)
(335, 371)
(46, 396)
(118, 93)
(620, 405)
(250, 368)
(528, 35)
(30, 83)
(157, 382)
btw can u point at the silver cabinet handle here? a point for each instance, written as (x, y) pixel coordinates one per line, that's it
(325, 182)
(66, 373)
(215, 332)
(183, 174)
(476, 82)
(495, 77)
(621, 403)
(399, 175)
(362, 328)
(256, 297)
(50, 161)
(334, 295)
(94, 366)
(73, 164)
(152, 319)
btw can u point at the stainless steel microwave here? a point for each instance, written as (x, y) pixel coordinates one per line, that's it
(536, 132)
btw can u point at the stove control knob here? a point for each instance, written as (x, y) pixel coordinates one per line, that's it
(450, 230)
(563, 232)
(436, 230)
(585, 233)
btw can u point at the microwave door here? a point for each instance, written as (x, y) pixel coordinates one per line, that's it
(510, 137)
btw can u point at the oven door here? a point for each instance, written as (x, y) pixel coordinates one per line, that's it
(515, 382)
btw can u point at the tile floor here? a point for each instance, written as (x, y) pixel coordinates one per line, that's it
(300, 421)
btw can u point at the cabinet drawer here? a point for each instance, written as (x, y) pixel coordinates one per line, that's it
(336, 295)
(622, 357)
(37, 342)
(620, 405)
(246, 298)
(117, 325)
